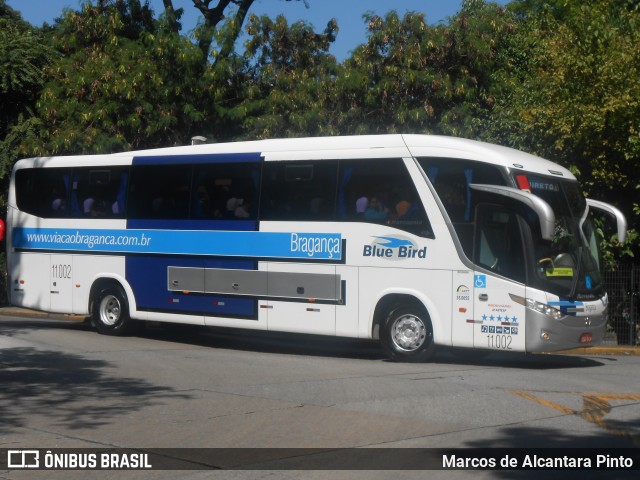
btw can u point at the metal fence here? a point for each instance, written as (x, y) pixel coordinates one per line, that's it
(623, 284)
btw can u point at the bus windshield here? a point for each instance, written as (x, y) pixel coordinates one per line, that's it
(569, 264)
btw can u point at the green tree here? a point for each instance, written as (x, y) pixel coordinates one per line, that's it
(287, 79)
(128, 80)
(226, 15)
(213, 16)
(413, 77)
(23, 55)
(572, 93)
(123, 81)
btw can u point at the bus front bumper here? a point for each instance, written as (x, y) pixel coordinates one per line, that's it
(546, 334)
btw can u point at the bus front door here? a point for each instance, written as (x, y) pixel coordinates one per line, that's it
(499, 289)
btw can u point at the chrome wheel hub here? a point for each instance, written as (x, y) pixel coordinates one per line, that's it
(110, 310)
(408, 333)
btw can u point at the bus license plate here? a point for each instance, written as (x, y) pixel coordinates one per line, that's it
(586, 338)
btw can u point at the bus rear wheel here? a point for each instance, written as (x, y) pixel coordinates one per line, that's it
(110, 312)
(407, 335)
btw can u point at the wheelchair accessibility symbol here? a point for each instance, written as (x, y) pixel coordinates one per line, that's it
(480, 281)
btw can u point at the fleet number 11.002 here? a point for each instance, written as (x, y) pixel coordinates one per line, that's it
(61, 271)
(502, 342)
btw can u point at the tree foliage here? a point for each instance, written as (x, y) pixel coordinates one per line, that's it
(287, 72)
(124, 81)
(579, 100)
(23, 57)
(413, 77)
(575, 98)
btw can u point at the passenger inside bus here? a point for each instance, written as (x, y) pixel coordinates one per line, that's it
(375, 210)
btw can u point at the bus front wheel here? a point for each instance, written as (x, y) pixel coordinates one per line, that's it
(407, 335)
(110, 312)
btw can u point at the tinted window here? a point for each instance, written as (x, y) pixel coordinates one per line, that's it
(381, 191)
(99, 192)
(76, 193)
(43, 191)
(160, 191)
(498, 242)
(303, 191)
(451, 178)
(225, 191)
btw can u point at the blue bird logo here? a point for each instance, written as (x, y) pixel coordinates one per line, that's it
(391, 242)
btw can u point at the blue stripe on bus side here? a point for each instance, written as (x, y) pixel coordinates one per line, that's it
(198, 159)
(148, 277)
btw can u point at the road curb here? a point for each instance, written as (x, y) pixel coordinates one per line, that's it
(25, 312)
(627, 350)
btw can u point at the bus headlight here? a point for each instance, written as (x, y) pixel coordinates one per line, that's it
(538, 306)
(544, 309)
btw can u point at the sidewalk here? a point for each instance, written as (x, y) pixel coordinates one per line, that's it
(25, 312)
(628, 350)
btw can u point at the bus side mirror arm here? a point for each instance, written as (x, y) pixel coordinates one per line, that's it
(544, 211)
(621, 221)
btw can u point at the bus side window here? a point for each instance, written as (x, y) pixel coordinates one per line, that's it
(451, 178)
(98, 192)
(159, 192)
(304, 191)
(44, 191)
(452, 190)
(25, 190)
(381, 191)
(498, 242)
(225, 191)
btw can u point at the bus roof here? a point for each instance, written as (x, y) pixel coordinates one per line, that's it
(441, 146)
(359, 146)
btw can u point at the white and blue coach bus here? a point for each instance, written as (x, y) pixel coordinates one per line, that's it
(417, 241)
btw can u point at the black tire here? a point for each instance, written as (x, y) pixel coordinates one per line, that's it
(110, 311)
(407, 335)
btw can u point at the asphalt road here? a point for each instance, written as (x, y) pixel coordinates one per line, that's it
(64, 386)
